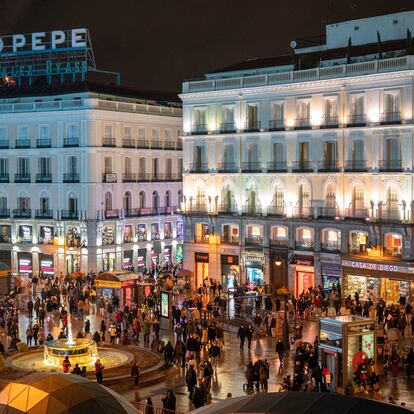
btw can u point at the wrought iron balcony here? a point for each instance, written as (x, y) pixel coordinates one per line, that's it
(44, 178)
(357, 120)
(22, 143)
(71, 177)
(357, 213)
(197, 167)
(44, 214)
(228, 167)
(142, 144)
(277, 211)
(356, 166)
(4, 144)
(329, 122)
(252, 210)
(144, 177)
(69, 214)
(230, 240)
(71, 142)
(230, 208)
(22, 213)
(43, 143)
(111, 214)
(201, 239)
(328, 212)
(390, 166)
(22, 178)
(392, 215)
(390, 118)
(276, 166)
(4, 178)
(109, 178)
(199, 129)
(108, 142)
(304, 245)
(156, 144)
(251, 167)
(302, 212)
(302, 166)
(279, 242)
(331, 247)
(252, 126)
(227, 127)
(277, 125)
(253, 241)
(4, 212)
(328, 166)
(129, 177)
(303, 123)
(128, 143)
(196, 209)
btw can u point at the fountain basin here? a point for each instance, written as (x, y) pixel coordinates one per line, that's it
(80, 351)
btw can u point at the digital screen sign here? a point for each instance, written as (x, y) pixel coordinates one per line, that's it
(165, 298)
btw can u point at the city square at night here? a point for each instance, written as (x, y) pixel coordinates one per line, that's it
(206, 207)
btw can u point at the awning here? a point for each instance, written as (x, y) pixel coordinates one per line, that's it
(113, 280)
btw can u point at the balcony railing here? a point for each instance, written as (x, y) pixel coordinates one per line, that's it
(357, 213)
(251, 167)
(111, 214)
(44, 214)
(276, 166)
(230, 240)
(128, 143)
(201, 239)
(328, 212)
(22, 178)
(199, 129)
(392, 215)
(252, 210)
(129, 177)
(331, 248)
(253, 241)
(142, 144)
(390, 166)
(329, 122)
(43, 143)
(71, 142)
(5, 213)
(277, 211)
(71, 177)
(69, 214)
(228, 167)
(22, 213)
(302, 166)
(156, 144)
(144, 177)
(196, 167)
(303, 123)
(43, 178)
(279, 242)
(109, 178)
(4, 144)
(252, 126)
(167, 177)
(108, 142)
(4, 178)
(277, 125)
(22, 143)
(357, 120)
(304, 245)
(356, 166)
(227, 127)
(328, 166)
(390, 118)
(302, 212)
(197, 209)
(227, 209)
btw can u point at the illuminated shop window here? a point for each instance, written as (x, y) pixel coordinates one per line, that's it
(393, 244)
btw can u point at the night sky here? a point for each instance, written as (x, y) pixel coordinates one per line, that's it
(156, 44)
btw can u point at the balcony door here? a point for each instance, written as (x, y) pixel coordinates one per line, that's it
(357, 105)
(252, 153)
(198, 156)
(278, 152)
(330, 109)
(303, 110)
(330, 150)
(392, 105)
(44, 204)
(73, 165)
(228, 155)
(23, 203)
(72, 204)
(228, 117)
(358, 153)
(303, 199)
(44, 167)
(303, 154)
(252, 116)
(155, 167)
(392, 154)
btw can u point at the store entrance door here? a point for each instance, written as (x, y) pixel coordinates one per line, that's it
(72, 263)
(330, 359)
(201, 273)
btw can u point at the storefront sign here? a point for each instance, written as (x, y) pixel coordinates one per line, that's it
(300, 268)
(305, 261)
(108, 284)
(128, 283)
(201, 257)
(330, 258)
(73, 238)
(46, 264)
(179, 253)
(229, 259)
(142, 232)
(254, 258)
(381, 267)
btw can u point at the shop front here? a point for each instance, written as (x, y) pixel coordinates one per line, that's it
(304, 274)
(108, 261)
(331, 272)
(201, 268)
(278, 268)
(230, 271)
(375, 280)
(254, 266)
(72, 262)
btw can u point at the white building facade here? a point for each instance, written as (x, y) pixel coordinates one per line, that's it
(301, 174)
(89, 180)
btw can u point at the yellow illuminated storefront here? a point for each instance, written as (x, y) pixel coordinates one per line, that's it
(377, 280)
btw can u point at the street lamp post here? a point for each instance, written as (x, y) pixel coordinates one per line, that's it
(285, 325)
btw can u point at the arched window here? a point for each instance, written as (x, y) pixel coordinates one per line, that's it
(331, 240)
(253, 202)
(228, 204)
(254, 234)
(279, 236)
(305, 237)
(330, 207)
(358, 209)
(108, 201)
(23, 202)
(127, 201)
(142, 199)
(277, 207)
(72, 204)
(155, 200)
(303, 208)
(393, 244)
(44, 203)
(167, 199)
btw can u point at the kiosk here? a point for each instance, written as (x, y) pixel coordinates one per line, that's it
(344, 343)
(120, 284)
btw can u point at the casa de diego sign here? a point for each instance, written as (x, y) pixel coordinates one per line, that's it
(59, 52)
(382, 267)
